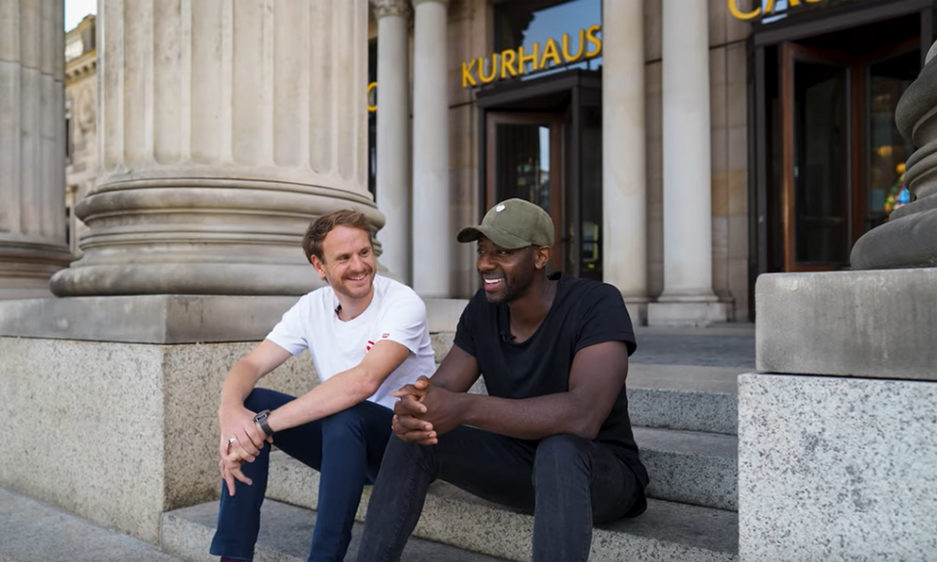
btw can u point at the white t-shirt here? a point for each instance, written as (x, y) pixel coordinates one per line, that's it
(396, 313)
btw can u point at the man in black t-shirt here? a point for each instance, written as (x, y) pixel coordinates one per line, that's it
(552, 436)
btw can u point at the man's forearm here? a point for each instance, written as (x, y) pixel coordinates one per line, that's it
(335, 394)
(342, 390)
(529, 418)
(238, 384)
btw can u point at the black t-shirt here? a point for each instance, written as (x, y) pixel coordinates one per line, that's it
(583, 313)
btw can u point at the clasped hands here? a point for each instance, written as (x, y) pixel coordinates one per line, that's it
(425, 411)
(241, 441)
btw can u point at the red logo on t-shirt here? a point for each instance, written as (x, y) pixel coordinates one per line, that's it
(385, 335)
(370, 344)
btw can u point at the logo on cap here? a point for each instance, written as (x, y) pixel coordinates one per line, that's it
(499, 208)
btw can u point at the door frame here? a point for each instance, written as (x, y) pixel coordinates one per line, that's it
(790, 54)
(555, 122)
(857, 93)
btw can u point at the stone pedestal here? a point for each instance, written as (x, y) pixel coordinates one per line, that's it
(224, 127)
(32, 147)
(836, 436)
(433, 235)
(120, 432)
(624, 178)
(687, 298)
(393, 134)
(111, 402)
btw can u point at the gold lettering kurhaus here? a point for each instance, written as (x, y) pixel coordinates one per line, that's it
(515, 62)
(738, 14)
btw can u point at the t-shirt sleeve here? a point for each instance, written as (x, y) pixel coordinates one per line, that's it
(404, 321)
(289, 333)
(464, 333)
(606, 319)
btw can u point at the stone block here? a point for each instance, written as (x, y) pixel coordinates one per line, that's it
(442, 315)
(874, 323)
(159, 319)
(118, 432)
(834, 468)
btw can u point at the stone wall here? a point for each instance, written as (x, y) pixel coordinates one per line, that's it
(118, 432)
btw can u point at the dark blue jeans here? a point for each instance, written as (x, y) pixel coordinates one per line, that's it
(346, 449)
(567, 482)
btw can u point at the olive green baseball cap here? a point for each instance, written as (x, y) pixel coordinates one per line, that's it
(511, 224)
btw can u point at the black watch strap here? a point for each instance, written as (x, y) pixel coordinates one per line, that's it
(261, 420)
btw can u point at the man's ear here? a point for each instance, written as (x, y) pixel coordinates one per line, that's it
(542, 256)
(317, 263)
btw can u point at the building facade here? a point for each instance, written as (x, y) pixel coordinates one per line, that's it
(81, 154)
(675, 176)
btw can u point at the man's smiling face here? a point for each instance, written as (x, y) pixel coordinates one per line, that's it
(348, 263)
(506, 274)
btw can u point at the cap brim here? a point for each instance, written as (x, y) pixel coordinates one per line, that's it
(500, 238)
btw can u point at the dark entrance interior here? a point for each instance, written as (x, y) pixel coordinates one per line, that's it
(828, 160)
(541, 140)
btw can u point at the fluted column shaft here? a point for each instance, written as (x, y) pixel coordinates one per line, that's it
(393, 134)
(432, 231)
(32, 146)
(624, 177)
(224, 127)
(686, 151)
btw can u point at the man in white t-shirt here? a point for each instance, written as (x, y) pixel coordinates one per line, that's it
(367, 336)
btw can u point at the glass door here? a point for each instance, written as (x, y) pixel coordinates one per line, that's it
(524, 160)
(842, 158)
(815, 175)
(887, 151)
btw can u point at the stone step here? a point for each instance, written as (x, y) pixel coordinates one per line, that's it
(689, 397)
(690, 467)
(686, 397)
(285, 532)
(462, 528)
(686, 467)
(34, 531)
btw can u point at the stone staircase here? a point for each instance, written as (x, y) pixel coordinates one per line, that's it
(682, 392)
(685, 425)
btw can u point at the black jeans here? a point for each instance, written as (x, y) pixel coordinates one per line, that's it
(567, 482)
(345, 448)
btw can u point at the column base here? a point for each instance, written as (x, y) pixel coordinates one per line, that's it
(687, 311)
(25, 268)
(637, 309)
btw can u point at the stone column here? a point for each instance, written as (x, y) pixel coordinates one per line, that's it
(688, 296)
(224, 127)
(624, 178)
(32, 147)
(393, 139)
(432, 232)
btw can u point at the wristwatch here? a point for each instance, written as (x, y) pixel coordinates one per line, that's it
(261, 420)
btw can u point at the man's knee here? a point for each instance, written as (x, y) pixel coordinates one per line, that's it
(265, 399)
(561, 456)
